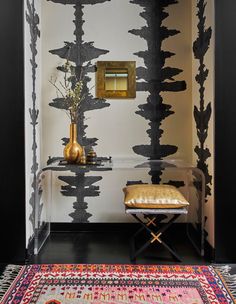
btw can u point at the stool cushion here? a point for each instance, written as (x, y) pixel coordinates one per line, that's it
(153, 196)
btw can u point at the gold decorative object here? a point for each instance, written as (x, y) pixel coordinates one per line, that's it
(72, 93)
(73, 150)
(91, 157)
(116, 79)
(83, 158)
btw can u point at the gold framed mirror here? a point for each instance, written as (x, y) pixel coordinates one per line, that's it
(116, 79)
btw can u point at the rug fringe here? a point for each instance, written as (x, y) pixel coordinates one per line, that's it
(230, 279)
(7, 277)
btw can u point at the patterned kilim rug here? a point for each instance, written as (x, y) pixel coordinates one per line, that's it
(97, 284)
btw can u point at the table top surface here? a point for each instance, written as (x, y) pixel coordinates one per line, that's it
(110, 163)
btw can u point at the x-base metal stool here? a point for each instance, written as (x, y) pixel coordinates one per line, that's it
(148, 218)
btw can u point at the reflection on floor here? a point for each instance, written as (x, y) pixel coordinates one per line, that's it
(112, 246)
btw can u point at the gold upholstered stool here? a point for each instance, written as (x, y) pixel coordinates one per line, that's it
(147, 203)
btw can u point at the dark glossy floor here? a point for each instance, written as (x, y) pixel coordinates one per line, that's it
(112, 246)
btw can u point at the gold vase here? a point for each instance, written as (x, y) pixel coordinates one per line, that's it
(73, 150)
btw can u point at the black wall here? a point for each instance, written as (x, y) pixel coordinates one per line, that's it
(12, 183)
(12, 174)
(225, 130)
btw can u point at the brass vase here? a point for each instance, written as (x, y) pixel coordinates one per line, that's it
(73, 150)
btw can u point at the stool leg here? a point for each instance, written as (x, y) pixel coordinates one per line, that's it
(171, 250)
(167, 225)
(141, 249)
(138, 231)
(155, 237)
(133, 252)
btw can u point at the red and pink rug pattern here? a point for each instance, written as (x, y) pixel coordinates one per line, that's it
(116, 284)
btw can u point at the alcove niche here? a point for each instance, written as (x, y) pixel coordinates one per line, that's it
(172, 43)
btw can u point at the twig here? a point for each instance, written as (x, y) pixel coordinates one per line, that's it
(54, 84)
(62, 85)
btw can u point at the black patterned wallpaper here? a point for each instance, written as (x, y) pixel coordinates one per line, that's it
(156, 78)
(203, 110)
(80, 186)
(32, 19)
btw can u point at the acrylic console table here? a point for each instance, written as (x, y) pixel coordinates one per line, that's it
(189, 179)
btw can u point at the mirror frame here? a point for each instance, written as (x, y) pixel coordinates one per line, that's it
(101, 92)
